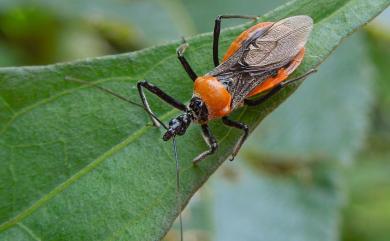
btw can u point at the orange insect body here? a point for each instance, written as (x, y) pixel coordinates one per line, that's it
(215, 94)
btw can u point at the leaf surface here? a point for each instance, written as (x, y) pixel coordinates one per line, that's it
(77, 164)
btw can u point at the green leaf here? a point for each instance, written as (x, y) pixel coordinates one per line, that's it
(77, 164)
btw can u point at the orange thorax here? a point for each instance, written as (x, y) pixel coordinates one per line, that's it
(214, 95)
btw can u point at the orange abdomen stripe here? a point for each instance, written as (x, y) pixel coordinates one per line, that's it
(283, 74)
(236, 44)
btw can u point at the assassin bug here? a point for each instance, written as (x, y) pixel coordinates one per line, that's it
(258, 61)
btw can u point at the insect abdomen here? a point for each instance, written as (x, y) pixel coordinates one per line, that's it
(282, 74)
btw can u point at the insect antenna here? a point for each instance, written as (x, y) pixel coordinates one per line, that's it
(309, 72)
(108, 91)
(178, 197)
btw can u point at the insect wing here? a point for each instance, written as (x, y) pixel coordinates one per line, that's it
(279, 45)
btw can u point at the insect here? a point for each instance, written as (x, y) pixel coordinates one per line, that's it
(257, 63)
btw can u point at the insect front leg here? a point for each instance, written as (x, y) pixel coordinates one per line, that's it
(211, 142)
(276, 89)
(160, 93)
(217, 31)
(180, 55)
(242, 139)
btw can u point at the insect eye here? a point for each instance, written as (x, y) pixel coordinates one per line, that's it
(173, 122)
(195, 104)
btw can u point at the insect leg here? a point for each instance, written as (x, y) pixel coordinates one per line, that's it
(157, 91)
(217, 30)
(242, 139)
(180, 55)
(211, 142)
(265, 97)
(276, 89)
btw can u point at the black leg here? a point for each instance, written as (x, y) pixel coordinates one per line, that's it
(157, 91)
(276, 89)
(217, 30)
(211, 142)
(180, 55)
(242, 139)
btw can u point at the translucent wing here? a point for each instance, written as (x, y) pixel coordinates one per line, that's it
(276, 47)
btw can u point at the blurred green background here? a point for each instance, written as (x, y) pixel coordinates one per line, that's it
(316, 169)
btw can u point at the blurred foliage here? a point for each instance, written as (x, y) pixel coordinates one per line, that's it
(203, 12)
(367, 216)
(49, 31)
(294, 184)
(35, 36)
(378, 42)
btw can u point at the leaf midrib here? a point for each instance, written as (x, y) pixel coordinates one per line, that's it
(91, 166)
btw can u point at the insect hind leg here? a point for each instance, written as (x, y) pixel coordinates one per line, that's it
(242, 139)
(180, 55)
(276, 89)
(217, 31)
